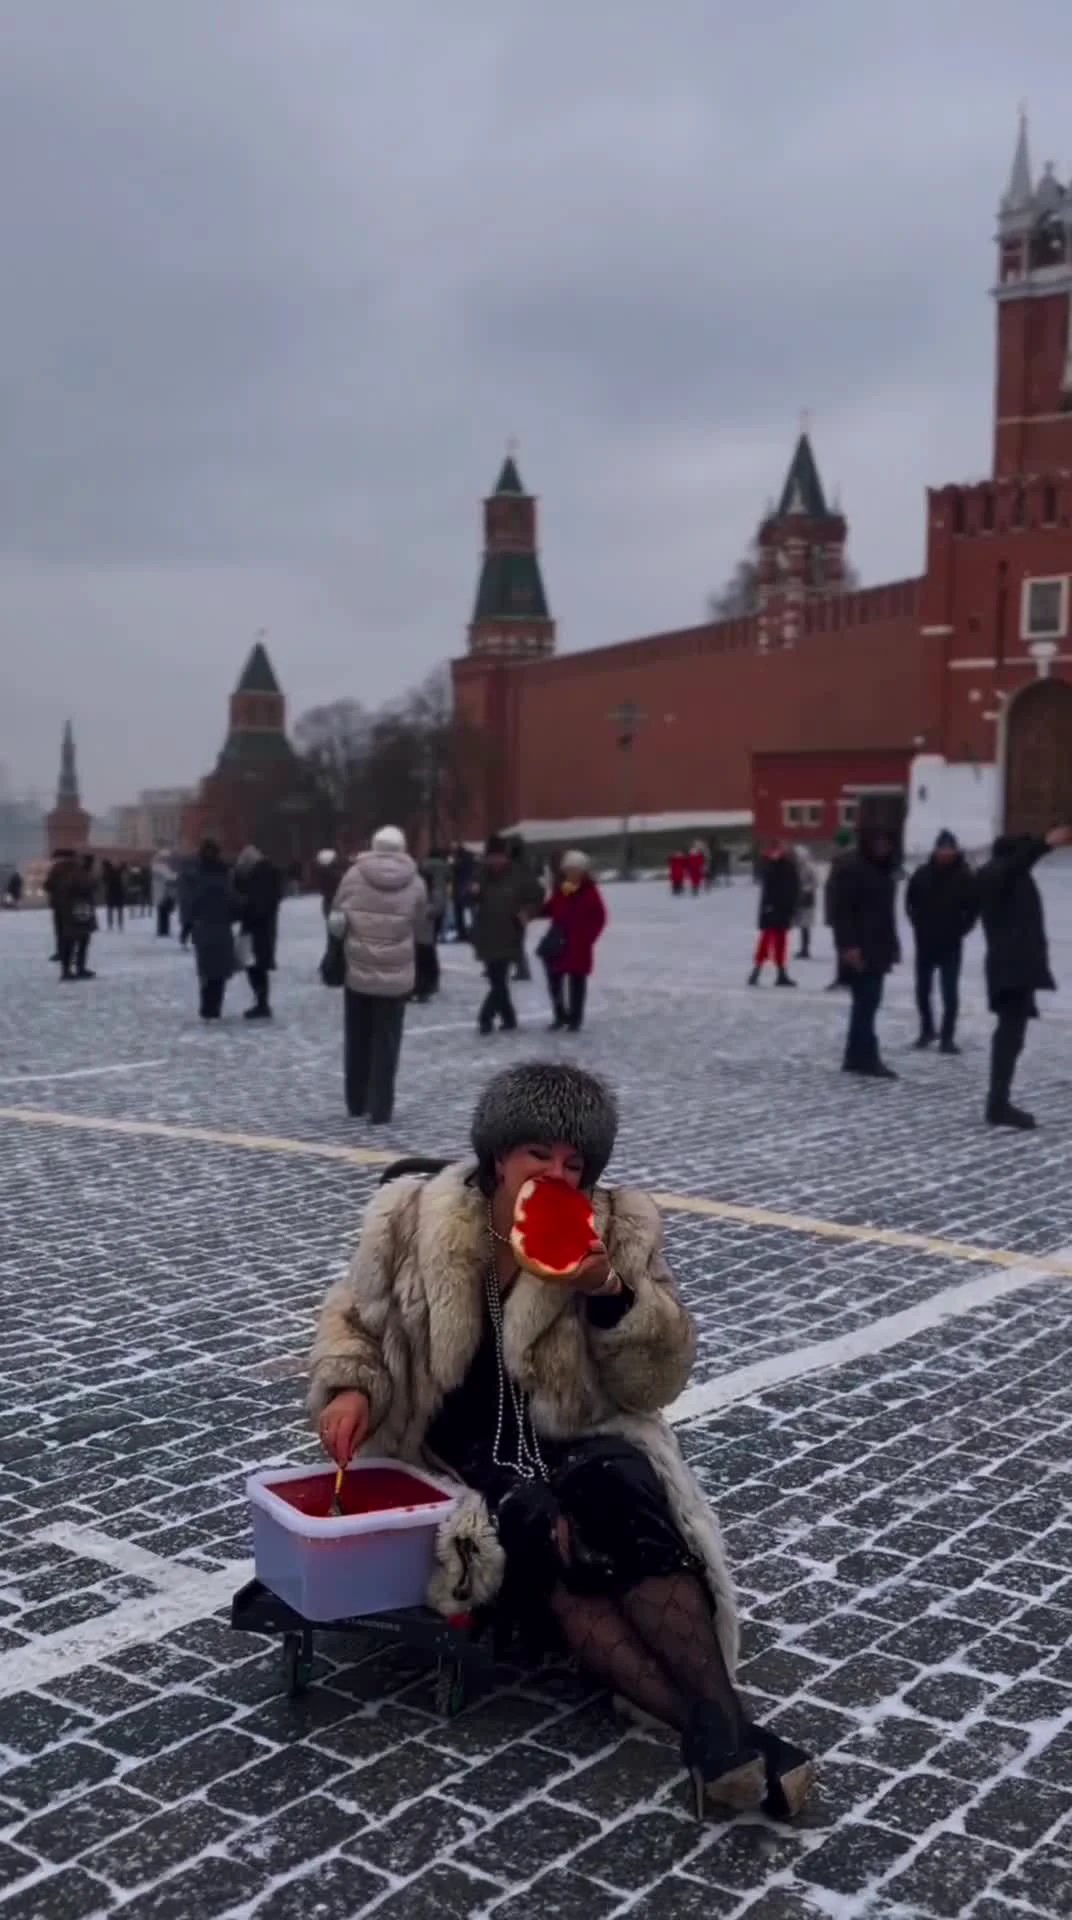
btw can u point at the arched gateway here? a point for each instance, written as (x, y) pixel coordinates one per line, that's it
(1038, 760)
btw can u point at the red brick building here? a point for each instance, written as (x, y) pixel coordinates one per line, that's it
(259, 792)
(944, 699)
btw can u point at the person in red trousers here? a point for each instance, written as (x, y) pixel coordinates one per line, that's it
(679, 867)
(578, 917)
(779, 892)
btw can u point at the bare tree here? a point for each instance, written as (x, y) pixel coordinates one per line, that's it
(334, 741)
(414, 763)
(740, 594)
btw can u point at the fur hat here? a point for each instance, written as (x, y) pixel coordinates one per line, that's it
(389, 840)
(541, 1101)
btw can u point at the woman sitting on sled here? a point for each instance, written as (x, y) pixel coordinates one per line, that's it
(546, 1399)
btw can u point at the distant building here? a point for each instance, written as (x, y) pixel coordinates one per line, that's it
(22, 833)
(154, 819)
(259, 792)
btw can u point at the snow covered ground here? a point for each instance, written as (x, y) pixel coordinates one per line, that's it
(882, 1411)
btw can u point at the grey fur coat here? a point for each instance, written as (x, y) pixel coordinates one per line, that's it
(405, 1324)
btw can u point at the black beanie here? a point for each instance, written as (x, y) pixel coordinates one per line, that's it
(539, 1102)
(946, 839)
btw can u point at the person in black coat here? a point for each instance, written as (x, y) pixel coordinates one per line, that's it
(258, 889)
(211, 907)
(779, 892)
(942, 903)
(1017, 958)
(864, 921)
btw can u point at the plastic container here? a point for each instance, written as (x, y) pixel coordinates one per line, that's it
(376, 1555)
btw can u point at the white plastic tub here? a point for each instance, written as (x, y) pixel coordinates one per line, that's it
(375, 1556)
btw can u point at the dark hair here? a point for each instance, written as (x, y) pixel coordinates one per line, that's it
(495, 844)
(210, 850)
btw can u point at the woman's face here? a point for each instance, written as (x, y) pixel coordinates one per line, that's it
(537, 1162)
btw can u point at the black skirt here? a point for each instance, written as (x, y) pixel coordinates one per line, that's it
(618, 1526)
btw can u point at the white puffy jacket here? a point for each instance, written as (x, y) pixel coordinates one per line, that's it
(380, 905)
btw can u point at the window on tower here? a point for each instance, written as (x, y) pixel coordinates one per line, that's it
(1044, 609)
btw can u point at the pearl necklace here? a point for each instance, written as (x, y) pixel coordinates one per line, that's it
(529, 1464)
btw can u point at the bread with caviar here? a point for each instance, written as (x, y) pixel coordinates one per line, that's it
(553, 1229)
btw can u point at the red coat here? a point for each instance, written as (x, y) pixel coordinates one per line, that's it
(678, 869)
(581, 918)
(696, 866)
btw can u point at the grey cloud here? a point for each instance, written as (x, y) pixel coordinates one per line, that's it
(281, 275)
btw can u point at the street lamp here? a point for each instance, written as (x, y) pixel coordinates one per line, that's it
(628, 719)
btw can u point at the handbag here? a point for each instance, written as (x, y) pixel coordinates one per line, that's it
(333, 964)
(552, 946)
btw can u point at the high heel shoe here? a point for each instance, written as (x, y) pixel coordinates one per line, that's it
(789, 1771)
(725, 1770)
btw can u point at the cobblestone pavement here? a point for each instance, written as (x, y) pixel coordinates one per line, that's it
(883, 1425)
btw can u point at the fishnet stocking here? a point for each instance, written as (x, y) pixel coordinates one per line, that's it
(602, 1639)
(671, 1614)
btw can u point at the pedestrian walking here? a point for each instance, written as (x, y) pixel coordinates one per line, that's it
(379, 908)
(942, 903)
(71, 890)
(426, 951)
(330, 868)
(842, 849)
(114, 882)
(1017, 959)
(779, 891)
(502, 903)
(14, 891)
(163, 881)
(531, 895)
(462, 881)
(212, 908)
(435, 872)
(578, 915)
(804, 918)
(678, 869)
(56, 881)
(696, 867)
(184, 880)
(258, 887)
(864, 920)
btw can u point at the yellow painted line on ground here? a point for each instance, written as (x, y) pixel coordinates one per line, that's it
(843, 1230)
(667, 1202)
(200, 1136)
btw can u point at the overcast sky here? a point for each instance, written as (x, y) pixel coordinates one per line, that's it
(280, 277)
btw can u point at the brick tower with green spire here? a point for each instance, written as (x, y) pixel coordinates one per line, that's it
(511, 619)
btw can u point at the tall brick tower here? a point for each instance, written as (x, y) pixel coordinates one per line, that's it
(68, 823)
(510, 618)
(801, 551)
(1033, 400)
(511, 626)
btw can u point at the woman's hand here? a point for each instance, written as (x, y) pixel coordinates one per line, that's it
(344, 1426)
(595, 1273)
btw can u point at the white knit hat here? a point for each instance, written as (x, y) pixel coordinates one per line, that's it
(326, 857)
(389, 840)
(575, 859)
